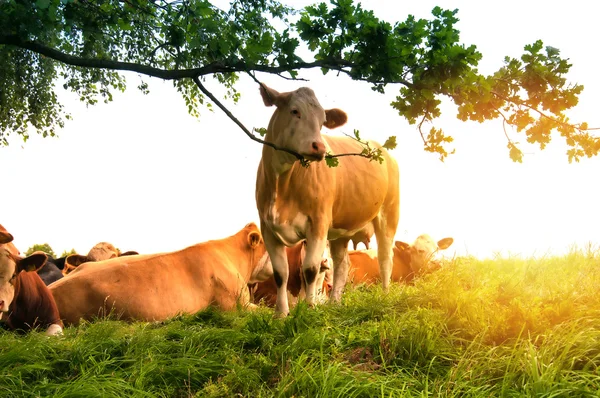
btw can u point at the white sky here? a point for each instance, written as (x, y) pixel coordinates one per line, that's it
(144, 175)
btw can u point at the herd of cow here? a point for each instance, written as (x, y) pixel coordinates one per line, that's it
(308, 215)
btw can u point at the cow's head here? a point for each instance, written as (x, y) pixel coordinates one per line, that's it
(420, 254)
(11, 263)
(262, 269)
(297, 121)
(101, 251)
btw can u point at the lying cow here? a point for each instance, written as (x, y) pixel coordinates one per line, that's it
(155, 287)
(101, 251)
(25, 301)
(409, 260)
(267, 291)
(320, 203)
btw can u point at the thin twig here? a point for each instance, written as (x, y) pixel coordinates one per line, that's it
(236, 121)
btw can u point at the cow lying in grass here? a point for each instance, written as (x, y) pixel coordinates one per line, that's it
(154, 287)
(409, 261)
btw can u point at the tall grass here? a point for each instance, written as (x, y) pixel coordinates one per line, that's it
(502, 327)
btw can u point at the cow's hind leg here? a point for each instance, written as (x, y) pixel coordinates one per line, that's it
(385, 230)
(339, 254)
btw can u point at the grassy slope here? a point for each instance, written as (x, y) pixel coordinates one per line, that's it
(504, 327)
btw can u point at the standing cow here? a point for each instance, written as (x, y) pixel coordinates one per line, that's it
(319, 203)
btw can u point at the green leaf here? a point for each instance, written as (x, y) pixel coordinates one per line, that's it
(261, 130)
(390, 143)
(42, 4)
(331, 161)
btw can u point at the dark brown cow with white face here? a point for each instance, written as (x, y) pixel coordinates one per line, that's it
(267, 291)
(154, 287)
(320, 203)
(25, 301)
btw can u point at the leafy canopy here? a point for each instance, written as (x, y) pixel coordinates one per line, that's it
(86, 44)
(43, 247)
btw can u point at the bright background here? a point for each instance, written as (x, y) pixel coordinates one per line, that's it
(144, 175)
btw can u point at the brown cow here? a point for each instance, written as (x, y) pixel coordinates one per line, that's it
(25, 301)
(320, 203)
(409, 261)
(267, 291)
(155, 287)
(100, 251)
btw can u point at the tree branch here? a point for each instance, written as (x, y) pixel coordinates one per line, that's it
(236, 121)
(168, 74)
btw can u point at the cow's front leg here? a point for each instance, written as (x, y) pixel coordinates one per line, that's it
(281, 271)
(311, 267)
(339, 254)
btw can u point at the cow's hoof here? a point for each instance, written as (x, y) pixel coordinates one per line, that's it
(54, 330)
(280, 315)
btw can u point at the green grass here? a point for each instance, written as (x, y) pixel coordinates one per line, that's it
(504, 327)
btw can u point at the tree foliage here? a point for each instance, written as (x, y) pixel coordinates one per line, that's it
(87, 44)
(43, 247)
(66, 253)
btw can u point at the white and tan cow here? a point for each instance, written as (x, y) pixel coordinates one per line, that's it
(410, 261)
(319, 203)
(153, 287)
(100, 251)
(422, 252)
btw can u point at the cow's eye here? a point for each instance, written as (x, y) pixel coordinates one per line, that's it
(296, 112)
(12, 279)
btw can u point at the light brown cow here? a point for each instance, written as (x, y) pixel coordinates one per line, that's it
(409, 261)
(320, 203)
(100, 251)
(267, 291)
(25, 301)
(154, 287)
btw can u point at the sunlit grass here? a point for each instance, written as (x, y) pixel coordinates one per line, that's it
(502, 327)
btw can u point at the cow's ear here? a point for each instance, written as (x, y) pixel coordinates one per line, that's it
(402, 246)
(269, 96)
(5, 237)
(335, 118)
(75, 260)
(33, 262)
(60, 263)
(254, 239)
(445, 243)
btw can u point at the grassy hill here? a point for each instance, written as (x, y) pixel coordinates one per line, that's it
(502, 327)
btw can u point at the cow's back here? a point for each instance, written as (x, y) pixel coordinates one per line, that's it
(145, 287)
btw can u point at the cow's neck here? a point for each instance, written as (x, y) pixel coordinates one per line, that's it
(278, 162)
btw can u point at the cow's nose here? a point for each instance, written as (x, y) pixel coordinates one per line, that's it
(318, 150)
(1, 304)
